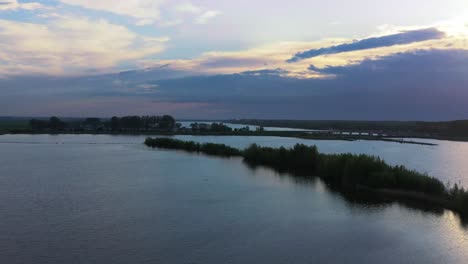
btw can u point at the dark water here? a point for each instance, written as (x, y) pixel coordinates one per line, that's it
(104, 199)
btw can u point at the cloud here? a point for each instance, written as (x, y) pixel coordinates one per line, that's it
(139, 51)
(145, 12)
(231, 62)
(270, 56)
(412, 85)
(406, 37)
(188, 7)
(14, 5)
(207, 15)
(266, 72)
(430, 62)
(70, 45)
(202, 16)
(275, 55)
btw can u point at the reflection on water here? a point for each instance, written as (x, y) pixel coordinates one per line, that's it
(76, 202)
(358, 199)
(444, 161)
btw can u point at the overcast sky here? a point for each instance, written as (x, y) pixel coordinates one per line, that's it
(335, 59)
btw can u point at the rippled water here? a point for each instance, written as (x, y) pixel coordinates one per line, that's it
(109, 199)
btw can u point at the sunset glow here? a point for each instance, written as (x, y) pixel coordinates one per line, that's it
(167, 40)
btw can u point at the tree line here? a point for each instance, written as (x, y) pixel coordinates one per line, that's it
(143, 122)
(132, 123)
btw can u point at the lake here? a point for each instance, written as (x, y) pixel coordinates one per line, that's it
(110, 199)
(238, 126)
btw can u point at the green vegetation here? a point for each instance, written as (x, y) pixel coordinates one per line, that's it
(351, 171)
(341, 171)
(8, 125)
(143, 123)
(162, 125)
(126, 124)
(54, 124)
(190, 146)
(215, 128)
(300, 160)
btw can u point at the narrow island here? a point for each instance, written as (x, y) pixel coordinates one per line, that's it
(344, 172)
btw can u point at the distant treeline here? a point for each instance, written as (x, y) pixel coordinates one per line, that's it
(455, 129)
(213, 127)
(126, 123)
(341, 171)
(143, 122)
(218, 127)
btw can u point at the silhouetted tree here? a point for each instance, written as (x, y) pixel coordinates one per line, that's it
(167, 122)
(131, 122)
(56, 124)
(115, 123)
(39, 124)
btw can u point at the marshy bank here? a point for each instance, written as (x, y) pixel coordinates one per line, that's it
(347, 172)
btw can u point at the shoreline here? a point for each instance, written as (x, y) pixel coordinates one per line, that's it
(288, 134)
(344, 172)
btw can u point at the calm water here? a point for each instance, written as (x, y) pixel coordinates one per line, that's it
(252, 128)
(109, 199)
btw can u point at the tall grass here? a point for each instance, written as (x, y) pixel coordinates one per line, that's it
(190, 146)
(344, 171)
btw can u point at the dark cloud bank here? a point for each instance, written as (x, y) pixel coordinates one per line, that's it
(406, 37)
(418, 85)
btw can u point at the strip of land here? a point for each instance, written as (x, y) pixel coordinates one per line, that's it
(346, 172)
(448, 130)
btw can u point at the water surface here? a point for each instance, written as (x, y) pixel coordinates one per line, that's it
(238, 126)
(109, 199)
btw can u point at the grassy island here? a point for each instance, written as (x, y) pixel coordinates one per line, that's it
(345, 172)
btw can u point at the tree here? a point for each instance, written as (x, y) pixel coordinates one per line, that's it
(115, 123)
(220, 127)
(92, 121)
(131, 122)
(167, 122)
(56, 124)
(38, 124)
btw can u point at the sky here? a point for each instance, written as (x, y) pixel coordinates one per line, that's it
(216, 59)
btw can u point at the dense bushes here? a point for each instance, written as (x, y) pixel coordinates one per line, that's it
(54, 123)
(190, 146)
(301, 159)
(343, 171)
(459, 198)
(347, 170)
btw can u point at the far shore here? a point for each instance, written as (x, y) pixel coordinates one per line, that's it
(404, 132)
(290, 134)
